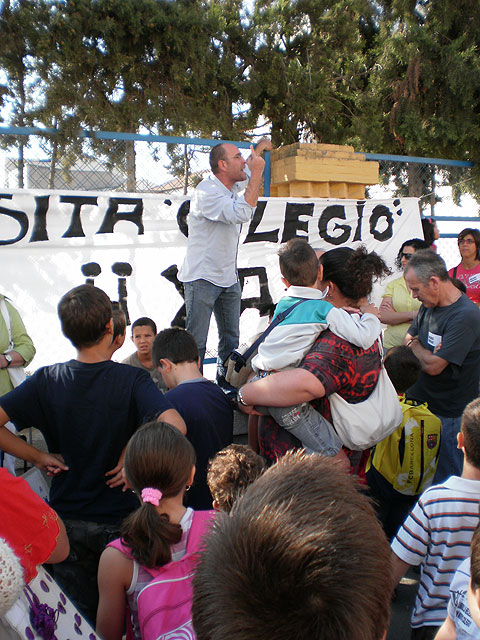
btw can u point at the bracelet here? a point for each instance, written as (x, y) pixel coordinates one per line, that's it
(240, 399)
(410, 342)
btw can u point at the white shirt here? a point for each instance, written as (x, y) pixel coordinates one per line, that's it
(214, 225)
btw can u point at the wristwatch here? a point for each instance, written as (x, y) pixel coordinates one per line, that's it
(240, 399)
(8, 358)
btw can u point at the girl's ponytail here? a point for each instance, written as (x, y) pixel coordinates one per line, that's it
(158, 464)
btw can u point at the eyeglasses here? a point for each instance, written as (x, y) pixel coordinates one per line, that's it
(466, 241)
(407, 256)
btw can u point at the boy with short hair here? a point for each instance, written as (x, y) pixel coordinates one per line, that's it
(144, 331)
(301, 555)
(205, 408)
(287, 344)
(119, 327)
(87, 409)
(463, 619)
(437, 533)
(230, 472)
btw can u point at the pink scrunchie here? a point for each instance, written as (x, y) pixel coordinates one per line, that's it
(153, 496)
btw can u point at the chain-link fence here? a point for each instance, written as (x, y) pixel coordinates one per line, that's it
(103, 161)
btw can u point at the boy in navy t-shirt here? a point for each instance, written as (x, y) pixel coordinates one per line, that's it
(87, 409)
(205, 408)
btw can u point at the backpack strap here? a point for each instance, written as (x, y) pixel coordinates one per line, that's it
(118, 544)
(241, 359)
(201, 523)
(455, 271)
(199, 527)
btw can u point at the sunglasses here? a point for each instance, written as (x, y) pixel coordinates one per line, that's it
(407, 256)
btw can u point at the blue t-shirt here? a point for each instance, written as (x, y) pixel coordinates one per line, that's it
(458, 609)
(208, 415)
(87, 413)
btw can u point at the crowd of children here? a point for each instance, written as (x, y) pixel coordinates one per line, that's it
(152, 492)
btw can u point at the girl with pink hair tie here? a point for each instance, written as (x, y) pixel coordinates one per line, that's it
(159, 466)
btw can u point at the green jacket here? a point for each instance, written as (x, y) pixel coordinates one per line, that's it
(22, 343)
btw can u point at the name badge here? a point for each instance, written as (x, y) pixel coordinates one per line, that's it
(474, 278)
(434, 339)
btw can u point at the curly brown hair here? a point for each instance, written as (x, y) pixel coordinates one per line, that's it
(230, 473)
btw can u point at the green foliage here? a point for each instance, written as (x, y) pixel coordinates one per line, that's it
(391, 76)
(310, 68)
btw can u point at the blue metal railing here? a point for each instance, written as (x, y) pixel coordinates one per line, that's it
(417, 160)
(141, 137)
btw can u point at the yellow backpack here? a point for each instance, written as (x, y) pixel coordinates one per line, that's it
(408, 458)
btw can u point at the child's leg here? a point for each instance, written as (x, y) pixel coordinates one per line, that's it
(315, 432)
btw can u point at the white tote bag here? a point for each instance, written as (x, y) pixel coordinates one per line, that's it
(362, 425)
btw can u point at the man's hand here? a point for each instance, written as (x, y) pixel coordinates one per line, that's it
(118, 479)
(263, 145)
(255, 162)
(52, 463)
(431, 363)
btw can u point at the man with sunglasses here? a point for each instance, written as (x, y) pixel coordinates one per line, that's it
(220, 205)
(445, 337)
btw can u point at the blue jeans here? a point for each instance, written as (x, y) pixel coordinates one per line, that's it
(203, 297)
(314, 432)
(450, 459)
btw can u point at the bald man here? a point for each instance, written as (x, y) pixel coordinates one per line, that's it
(220, 205)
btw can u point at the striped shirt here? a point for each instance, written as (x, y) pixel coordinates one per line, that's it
(436, 535)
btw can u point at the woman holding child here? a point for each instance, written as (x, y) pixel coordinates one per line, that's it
(332, 364)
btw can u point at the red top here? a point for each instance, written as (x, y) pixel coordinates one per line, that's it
(470, 278)
(27, 523)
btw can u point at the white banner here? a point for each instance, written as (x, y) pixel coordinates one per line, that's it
(130, 244)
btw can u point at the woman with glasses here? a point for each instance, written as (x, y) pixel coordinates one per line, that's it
(468, 271)
(399, 307)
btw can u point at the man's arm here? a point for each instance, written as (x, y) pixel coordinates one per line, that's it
(264, 144)
(117, 474)
(283, 389)
(51, 463)
(256, 165)
(431, 364)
